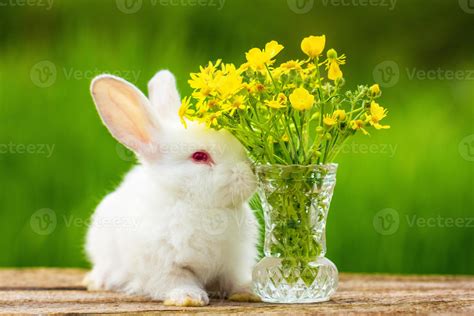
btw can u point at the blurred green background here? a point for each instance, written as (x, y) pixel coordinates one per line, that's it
(404, 200)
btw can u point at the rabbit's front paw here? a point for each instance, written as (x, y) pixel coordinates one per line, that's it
(246, 296)
(91, 284)
(188, 297)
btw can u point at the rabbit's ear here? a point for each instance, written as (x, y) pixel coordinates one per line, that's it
(164, 95)
(126, 113)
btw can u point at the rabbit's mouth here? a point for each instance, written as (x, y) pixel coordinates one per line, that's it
(240, 186)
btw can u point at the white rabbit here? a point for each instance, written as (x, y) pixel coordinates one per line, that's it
(179, 226)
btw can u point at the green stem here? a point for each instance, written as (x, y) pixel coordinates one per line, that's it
(271, 77)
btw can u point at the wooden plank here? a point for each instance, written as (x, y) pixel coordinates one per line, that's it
(60, 291)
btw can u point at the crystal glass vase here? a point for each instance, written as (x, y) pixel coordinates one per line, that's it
(295, 201)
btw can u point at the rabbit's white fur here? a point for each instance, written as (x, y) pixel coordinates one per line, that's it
(174, 229)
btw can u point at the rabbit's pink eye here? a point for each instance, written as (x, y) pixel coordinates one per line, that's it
(201, 157)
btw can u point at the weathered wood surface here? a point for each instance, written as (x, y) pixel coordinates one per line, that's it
(60, 291)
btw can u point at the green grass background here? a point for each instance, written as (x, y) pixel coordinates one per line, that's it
(428, 175)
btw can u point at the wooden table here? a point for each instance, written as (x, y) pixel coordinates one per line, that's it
(60, 291)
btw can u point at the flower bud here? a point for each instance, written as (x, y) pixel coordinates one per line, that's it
(332, 54)
(374, 90)
(315, 116)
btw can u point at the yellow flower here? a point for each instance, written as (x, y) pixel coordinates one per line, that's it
(275, 73)
(377, 113)
(185, 111)
(211, 68)
(359, 124)
(282, 98)
(337, 116)
(340, 115)
(212, 119)
(205, 78)
(329, 120)
(289, 86)
(310, 68)
(253, 87)
(375, 90)
(333, 62)
(202, 93)
(334, 71)
(237, 103)
(308, 72)
(301, 99)
(273, 48)
(212, 103)
(278, 102)
(274, 104)
(229, 81)
(257, 58)
(244, 67)
(259, 87)
(313, 46)
(291, 65)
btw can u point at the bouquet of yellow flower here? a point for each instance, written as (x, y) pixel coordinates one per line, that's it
(291, 114)
(292, 119)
